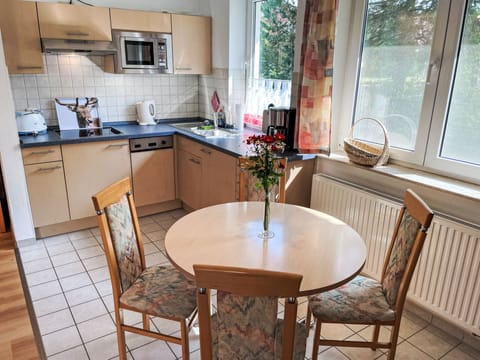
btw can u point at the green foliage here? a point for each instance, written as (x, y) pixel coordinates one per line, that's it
(278, 21)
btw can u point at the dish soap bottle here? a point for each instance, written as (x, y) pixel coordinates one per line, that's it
(221, 118)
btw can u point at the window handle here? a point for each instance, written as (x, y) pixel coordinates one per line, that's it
(432, 67)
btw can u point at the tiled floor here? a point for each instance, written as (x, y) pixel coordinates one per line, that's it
(70, 288)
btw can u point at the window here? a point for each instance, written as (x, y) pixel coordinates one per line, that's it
(418, 73)
(271, 61)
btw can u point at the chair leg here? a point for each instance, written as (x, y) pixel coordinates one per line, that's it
(308, 318)
(393, 341)
(316, 339)
(376, 332)
(146, 322)
(184, 335)
(122, 352)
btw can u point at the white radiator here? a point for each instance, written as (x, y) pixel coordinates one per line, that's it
(447, 277)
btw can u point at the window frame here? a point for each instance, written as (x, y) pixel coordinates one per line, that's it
(436, 97)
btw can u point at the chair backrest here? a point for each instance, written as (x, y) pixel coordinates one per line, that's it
(117, 219)
(408, 238)
(245, 324)
(248, 191)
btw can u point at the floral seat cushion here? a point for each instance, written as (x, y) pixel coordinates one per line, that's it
(256, 348)
(161, 291)
(360, 301)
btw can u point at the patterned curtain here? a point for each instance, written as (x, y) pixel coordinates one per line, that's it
(316, 75)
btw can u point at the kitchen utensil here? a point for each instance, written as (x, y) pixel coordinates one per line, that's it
(30, 122)
(146, 112)
(215, 101)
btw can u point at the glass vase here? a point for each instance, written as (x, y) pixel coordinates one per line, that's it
(266, 233)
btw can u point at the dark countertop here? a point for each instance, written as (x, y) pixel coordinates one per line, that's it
(234, 145)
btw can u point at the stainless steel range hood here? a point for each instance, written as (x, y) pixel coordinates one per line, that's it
(79, 47)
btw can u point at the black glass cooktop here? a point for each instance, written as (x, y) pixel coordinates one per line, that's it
(76, 133)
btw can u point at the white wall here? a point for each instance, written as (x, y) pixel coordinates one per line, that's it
(11, 161)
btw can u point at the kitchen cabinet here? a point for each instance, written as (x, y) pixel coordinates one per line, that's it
(46, 185)
(21, 38)
(192, 44)
(189, 179)
(90, 167)
(153, 176)
(205, 176)
(132, 20)
(65, 21)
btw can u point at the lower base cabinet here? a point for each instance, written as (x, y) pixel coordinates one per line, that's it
(90, 167)
(48, 197)
(153, 176)
(205, 176)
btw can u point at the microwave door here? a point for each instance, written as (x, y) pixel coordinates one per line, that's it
(139, 53)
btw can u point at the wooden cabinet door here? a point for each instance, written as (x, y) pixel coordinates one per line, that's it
(21, 38)
(47, 193)
(189, 179)
(153, 176)
(192, 44)
(219, 177)
(90, 167)
(64, 21)
(133, 20)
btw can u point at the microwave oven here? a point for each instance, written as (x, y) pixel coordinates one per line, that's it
(143, 52)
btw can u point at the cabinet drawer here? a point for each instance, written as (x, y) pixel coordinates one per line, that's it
(41, 154)
(194, 147)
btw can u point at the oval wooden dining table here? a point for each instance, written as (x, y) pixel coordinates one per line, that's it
(322, 248)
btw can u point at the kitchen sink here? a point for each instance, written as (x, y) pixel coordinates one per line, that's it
(198, 128)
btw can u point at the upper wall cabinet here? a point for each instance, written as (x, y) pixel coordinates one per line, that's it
(133, 20)
(64, 21)
(192, 44)
(21, 39)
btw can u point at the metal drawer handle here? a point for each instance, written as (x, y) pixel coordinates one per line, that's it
(49, 168)
(29, 67)
(116, 145)
(205, 151)
(183, 69)
(77, 33)
(195, 161)
(42, 152)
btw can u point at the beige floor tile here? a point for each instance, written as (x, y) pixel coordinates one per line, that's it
(81, 295)
(154, 351)
(77, 353)
(384, 336)
(461, 353)
(61, 340)
(45, 290)
(360, 353)
(96, 328)
(406, 351)
(335, 331)
(79, 234)
(332, 354)
(433, 341)
(103, 348)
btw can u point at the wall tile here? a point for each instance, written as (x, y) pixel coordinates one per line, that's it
(70, 76)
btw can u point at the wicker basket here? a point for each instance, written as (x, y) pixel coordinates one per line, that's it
(362, 153)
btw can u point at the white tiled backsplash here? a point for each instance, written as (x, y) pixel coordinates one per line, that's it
(175, 96)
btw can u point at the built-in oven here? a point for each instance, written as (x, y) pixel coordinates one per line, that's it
(143, 52)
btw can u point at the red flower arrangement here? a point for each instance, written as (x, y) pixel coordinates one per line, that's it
(266, 148)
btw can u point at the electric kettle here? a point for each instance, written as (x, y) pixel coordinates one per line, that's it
(30, 122)
(146, 112)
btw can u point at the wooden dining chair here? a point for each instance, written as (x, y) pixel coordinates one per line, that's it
(159, 291)
(245, 325)
(248, 191)
(370, 302)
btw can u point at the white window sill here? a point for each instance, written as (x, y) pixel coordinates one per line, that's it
(453, 198)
